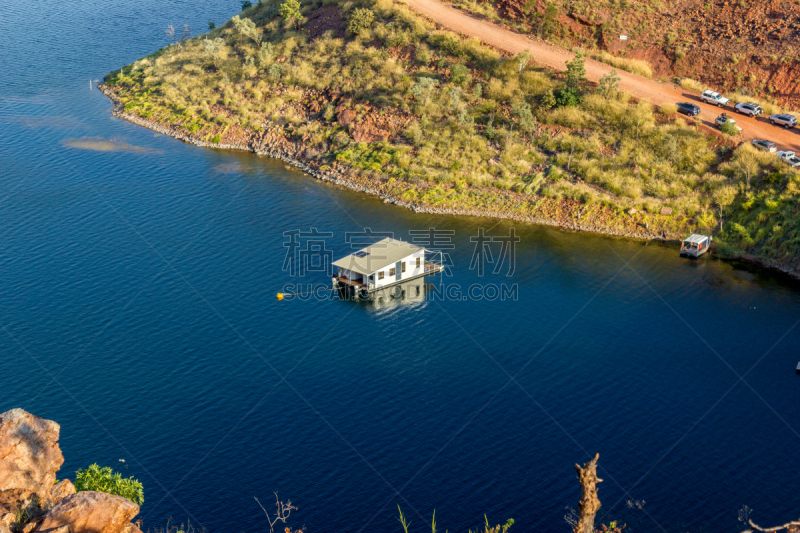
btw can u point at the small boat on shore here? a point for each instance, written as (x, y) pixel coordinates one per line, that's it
(695, 245)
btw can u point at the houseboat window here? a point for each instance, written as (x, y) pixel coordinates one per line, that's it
(417, 262)
(380, 275)
(403, 266)
(391, 272)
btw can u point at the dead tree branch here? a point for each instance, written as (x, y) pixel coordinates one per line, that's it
(590, 503)
(282, 513)
(792, 526)
(179, 39)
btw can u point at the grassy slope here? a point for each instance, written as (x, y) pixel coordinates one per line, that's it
(462, 144)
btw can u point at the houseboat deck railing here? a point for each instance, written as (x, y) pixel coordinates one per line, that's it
(430, 269)
(349, 282)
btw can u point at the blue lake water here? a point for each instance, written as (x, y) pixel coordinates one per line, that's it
(137, 309)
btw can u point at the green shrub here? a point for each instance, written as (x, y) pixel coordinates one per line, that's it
(106, 480)
(730, 129)
(447, 42)
(568, 96)
(548, 100)
(359, 20)
(459, 74)
(423, 88)
(275, 71)
(545, 24)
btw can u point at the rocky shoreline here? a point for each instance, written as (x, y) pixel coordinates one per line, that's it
(339, 177)
(292, 154)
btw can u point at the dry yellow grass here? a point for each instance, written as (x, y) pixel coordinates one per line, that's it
(634, 66)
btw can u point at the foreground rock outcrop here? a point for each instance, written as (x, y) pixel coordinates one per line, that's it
(29, 453)
(31, 501)
(90, 512)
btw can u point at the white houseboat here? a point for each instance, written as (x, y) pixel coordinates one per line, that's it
(696, 245)
(381, 265)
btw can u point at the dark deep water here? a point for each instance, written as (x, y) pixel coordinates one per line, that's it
(137, 309)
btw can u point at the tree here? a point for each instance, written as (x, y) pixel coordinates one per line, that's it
(265, 53)
(490, 130)
(247, 27)
(609, 84)
(423, 88)
(724, 197)
(290, 11)
(213, 48)
(359, 20)
(745, 165)
(522, 60)
(282, 512)
(527, 122)
(576, 72)
(570, 94)
(547, 101)
(211, 25)
(179, 39)
(106, 480)
(589, 503)
(457, 105)
(246, 4)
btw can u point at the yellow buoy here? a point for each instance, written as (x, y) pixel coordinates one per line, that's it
(280, 296)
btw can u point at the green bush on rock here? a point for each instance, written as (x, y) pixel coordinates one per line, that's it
(103, 479)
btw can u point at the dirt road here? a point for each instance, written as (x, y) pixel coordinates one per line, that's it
(655, 92)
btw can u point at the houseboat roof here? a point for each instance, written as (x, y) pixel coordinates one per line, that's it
(696, 238)
(377, 256)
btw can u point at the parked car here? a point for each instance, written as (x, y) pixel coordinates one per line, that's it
(790, 159)
(749, 109)
(768, 146)
(787, 121)
(725, 119)
(714, 98)
(688, 109)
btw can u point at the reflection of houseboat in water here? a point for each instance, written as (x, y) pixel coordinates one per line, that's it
(381, 267)
(410, 292)
(696, 245)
